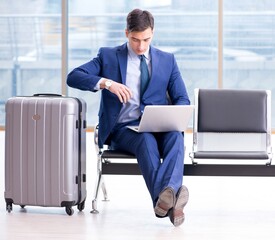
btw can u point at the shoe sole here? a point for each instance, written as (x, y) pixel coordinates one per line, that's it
(176, 215)
(165, 202)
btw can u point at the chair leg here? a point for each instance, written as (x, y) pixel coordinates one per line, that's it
(104, 190)
(94, 202)
(98, 184)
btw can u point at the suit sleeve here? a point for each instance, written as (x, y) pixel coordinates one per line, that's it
(176, 88)
(86, 76)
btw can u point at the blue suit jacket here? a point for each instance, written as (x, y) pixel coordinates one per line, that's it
(112, 63)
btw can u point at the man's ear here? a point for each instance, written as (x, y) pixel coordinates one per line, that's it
(126, 33)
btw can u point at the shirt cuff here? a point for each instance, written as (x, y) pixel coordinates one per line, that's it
(97, 86)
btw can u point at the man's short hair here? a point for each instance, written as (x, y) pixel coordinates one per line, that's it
(139, 20)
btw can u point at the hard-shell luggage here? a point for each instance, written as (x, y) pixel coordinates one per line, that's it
(45, 152)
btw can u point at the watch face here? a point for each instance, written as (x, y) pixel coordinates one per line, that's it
(108, 84)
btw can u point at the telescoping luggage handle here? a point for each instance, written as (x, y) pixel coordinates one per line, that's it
(57, 95)
(47, 95)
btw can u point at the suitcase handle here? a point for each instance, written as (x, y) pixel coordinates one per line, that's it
(47, 95)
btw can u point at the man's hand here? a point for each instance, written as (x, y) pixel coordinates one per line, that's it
(122, 91)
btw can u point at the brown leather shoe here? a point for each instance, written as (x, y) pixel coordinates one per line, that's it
(176, 214)
(165, 202)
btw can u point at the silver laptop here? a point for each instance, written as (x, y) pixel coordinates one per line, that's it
(164, 118)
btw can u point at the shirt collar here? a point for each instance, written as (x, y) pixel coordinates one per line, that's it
(132, 54)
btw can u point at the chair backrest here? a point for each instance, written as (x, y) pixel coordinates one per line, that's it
(232, 110)
(232, 121)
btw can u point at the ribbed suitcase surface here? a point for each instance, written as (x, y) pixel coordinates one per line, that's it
(45, 152)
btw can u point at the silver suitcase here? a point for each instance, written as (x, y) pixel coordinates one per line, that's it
(45, 152)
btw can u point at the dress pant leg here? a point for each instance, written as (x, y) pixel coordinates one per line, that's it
(145, 147)
(157, 174)
(170, 172)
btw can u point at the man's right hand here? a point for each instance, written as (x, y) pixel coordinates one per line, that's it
(122, 91)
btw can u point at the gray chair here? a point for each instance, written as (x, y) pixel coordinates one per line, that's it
(232, 125)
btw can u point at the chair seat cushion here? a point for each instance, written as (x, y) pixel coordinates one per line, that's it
(107, 154)
(231, 155)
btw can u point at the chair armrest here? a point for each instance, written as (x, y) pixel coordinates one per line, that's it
(98, 150)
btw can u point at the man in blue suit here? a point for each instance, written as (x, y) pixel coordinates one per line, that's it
(118, 72)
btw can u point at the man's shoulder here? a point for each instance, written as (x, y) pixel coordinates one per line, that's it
(162, 52)
(112, 49)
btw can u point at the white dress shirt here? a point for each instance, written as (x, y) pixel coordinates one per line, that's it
(131, 111)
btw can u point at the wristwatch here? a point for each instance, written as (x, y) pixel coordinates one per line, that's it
(108, 84)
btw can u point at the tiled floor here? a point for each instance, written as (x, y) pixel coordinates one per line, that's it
(220, 208)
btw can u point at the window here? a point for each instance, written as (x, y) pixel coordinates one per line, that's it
(249, 46)
(30, 52)
(186, 28)
(217, 43)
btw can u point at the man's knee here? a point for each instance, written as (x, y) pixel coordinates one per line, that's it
(147, 140)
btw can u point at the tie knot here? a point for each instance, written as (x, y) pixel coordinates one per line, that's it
(142, 57)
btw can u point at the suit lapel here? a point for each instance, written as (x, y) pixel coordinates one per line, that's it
(122, 61)
(154, 61)
(154, 66)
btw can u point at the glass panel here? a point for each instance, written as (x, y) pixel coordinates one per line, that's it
(186, 28)
(30, 48)
(249, 45)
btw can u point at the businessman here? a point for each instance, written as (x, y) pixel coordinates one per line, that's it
(130, 77)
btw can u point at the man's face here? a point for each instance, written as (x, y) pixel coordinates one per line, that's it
(140, 41)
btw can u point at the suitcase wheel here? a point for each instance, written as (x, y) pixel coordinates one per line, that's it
(9, 207)
(69, 211)
(81, 206)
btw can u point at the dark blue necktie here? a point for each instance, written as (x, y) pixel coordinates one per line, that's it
(144, 75)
